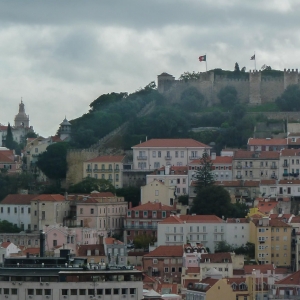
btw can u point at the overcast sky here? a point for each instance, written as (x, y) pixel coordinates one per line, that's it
(61, 55)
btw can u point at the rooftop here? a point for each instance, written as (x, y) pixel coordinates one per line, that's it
(220, 257)
(49, 197)
(172, 143)
(153, 206)
(166, 251)
(18, 199)
(266, 142)
(179, 219)
(243, 154)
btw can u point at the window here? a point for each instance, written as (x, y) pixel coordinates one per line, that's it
(73, 292)
(132, 291)
(30, 292)
(15, 210)
(178, 190)
(64, 292)
(2, 210)
(145, 214)
(181, 153)
(110, 166)
(156, 192)
(44, 215)
(22, 210)
(117, 177)
(158, 153)
(54, 243)
(163, 214)
(92, 211)
(103, 176)
(107, 291)
(153, 153)
(8, 210)
(176, 153)
(154, 214)
(166, 270)
(173, 270)
(47, 292)
(154, 261)
(81, 211)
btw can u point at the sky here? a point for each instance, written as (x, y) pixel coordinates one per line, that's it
(59, 56)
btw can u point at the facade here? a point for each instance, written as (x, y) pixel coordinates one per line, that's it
(172, 176)
(9, 162)
(157, 191)
(116, 251)
(268, 188)
(266, 144)
(237, 231)
(103, 211)
(178, 230)
(10, 249)
(272, 239)
(93, 253)
(254, 165)
(16, 209)
(164, 262)
(289, 165)
(143, 219)
(37, 279)
(155, 153)
(47, 209)
(105, 167)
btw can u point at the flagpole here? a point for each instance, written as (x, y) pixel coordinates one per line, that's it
(254, 60)
(206, 61)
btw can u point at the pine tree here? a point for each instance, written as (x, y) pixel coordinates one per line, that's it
(204, 176)
(9, 143)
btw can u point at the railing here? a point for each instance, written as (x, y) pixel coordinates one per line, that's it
(285, 165)
(285, 174)
(239, 166)
(168, 157)
(239, 176)
(140, 227)
(274, 167)
(89, 170)
(105, 170)
(142, 157)
(156, 273)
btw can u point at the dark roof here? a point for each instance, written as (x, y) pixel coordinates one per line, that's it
(216, 257)
(18, 199)
(82, 250)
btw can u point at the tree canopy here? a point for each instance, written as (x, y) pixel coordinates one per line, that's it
(143, 241)
(192, 99)
(90, 184)
(53, 162)
(228, 96)
(290, 99)
(204, 176)
(7, 227)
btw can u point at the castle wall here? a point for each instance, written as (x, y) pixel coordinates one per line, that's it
(290, 77)
(271, 88)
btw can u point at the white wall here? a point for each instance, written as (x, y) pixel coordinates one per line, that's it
(18, 217)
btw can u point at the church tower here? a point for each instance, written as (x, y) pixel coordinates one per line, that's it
(65, 130)
(21, 119)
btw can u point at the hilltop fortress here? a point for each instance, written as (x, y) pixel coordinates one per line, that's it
(255, 87)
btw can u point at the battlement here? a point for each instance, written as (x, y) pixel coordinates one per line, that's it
(288, 71)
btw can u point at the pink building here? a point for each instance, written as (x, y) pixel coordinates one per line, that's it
(9, 161)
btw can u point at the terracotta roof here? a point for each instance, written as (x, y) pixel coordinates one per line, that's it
(82, 250)
(265, 268)
(192, 270)
(108, 158)
(290, 152)
(153, 206)
(18, 199)
(266, 207)
(176, 170)
(111, 241)
(166, 251)
(174, 143)
(209, 283)
(192, 219)
(5, 244)
(32, 251)
(272, 223)
(290, 181)
(238, 272)
(188, 281)
(237, 220)
(216, 257)
(91, 198)
(5, 158)
(243, 154)
(295, 219)
(268, 182)
(266, 142)
(49, 197)
(294, 134)
(293, 279)
(281, 216)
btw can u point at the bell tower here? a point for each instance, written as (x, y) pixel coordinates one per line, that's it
(21, 119)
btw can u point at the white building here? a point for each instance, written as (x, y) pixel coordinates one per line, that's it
(268, 188)
(288, 188)
(10, 248)
(171, 176)
(237, 231)
(289, 164)
(16, 209)
(205, 229)
(156, 153)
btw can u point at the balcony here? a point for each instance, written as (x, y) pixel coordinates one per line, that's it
(194, 157)
(273, 167)
(141, 227)
(88, 170)
(168, 157)
(239, 166)
(239, 176)
(285, 174)
(155, 273)
(104, 170)
(141, 157)
(285, 165)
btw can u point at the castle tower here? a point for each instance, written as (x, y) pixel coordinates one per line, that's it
(290, 77)
(164, 82)
(254, 87)
(65, 130)
(21, 119)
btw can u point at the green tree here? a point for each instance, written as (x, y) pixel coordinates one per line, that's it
(143, 241)
(131, 194)
(183, 199)
(204, 176)
(228, 96)
(192, 99)
(290, 99)
(7, 227)
(90, 184)
(53, 162)
(223, 246)
(212, 200)
(9, 142)
(31, 134)
(236, 67)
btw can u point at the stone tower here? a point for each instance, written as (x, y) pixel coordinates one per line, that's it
(21, 119)
(65, 130)
(290, 77)
(255, 87)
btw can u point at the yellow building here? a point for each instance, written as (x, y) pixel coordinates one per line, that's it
(159, 192)
(272, 239)
(105, 167)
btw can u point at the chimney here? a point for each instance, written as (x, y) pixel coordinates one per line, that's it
(130, 205)
(213, 155)
(42, 243)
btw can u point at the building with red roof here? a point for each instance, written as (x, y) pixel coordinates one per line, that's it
(156, 153)
(289, 164)
(267, 144)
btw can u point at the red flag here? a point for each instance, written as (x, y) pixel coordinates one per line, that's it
(202, 58)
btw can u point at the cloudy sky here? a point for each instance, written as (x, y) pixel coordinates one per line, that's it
(61, 55)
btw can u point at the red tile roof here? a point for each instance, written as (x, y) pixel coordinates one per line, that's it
(108, 158)
(216, 257)
(290, 152)
(268, 182)
(173, 143)
(289, 181)
(166, 251)
(272, 223)
(293, 279)
(49, 197)
(176, 170)
(192, 270)
(209, 281)
(111, 241)
(153, 206)
(266, 142)
(218, 160)
(82, 250)
(264, 269)
(192, 219)
(5, 244)
(243, 154)
(18, 199)
(281, 216)
(32, 251)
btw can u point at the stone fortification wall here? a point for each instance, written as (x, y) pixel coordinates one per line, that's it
(255, 89)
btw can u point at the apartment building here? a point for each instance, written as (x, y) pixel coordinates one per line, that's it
(155, 153)
(16, 209)
(272, 239)
(268, 188)
(255, 165)
(105, 167)
(143, 219)
(289, 165)
(172, 176)
(9, 162)
(115, 251)
(267, 144)
(237, 231)
(205, 229)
